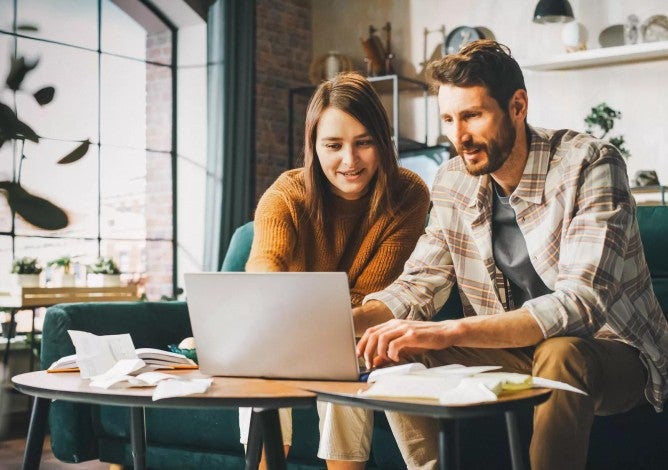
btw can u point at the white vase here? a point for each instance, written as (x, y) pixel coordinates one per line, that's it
(25, 280)
(103, 280)
(61, 279)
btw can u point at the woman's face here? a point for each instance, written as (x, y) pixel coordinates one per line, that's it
(347, 153)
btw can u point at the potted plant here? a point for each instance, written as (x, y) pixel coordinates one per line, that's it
(62, 275)
(600, 122)
(26, 272)
(103, 273)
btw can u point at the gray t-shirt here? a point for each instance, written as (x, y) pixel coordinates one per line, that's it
(511, 255)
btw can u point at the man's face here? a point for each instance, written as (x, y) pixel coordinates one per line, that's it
(482, 133)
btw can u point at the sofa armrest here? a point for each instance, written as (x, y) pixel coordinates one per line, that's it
(150, 324)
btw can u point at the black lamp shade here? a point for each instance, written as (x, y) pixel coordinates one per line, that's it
(553, 11)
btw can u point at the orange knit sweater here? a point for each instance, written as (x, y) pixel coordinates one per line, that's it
(286, 240)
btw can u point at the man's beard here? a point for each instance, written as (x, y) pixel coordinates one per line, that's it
(498, 149)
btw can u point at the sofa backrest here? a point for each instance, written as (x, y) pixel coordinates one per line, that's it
(653, 224)
(239, 248)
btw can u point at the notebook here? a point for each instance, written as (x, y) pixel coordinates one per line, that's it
(274, 325)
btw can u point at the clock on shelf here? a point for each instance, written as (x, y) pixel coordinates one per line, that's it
(462, 35)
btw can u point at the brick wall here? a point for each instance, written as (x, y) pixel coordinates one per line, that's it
(158, 254)
(282, 59)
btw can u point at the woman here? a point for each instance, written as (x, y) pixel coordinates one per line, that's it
(350, 208)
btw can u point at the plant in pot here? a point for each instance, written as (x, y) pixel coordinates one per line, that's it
(62, 275)
(600, 122)
(26, 272)
(103, 273)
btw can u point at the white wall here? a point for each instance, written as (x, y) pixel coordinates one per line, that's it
(558, 99)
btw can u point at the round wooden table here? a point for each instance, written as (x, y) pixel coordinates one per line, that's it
(264, 396)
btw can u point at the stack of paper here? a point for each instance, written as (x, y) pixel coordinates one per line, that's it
(452, 384)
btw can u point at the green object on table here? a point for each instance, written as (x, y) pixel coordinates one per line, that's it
(189, 353)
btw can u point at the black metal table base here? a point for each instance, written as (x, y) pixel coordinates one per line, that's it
(265, 428)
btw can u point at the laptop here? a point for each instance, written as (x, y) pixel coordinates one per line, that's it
(288, 325)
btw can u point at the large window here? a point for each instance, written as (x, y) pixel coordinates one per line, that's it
(111, 63)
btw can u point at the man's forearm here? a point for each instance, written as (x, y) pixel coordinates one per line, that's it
(506, 330)
(370, 314)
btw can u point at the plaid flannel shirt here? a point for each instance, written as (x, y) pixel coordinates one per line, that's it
(576, 212)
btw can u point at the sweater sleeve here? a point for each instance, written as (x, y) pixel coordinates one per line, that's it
(398, 240)
(275, 234)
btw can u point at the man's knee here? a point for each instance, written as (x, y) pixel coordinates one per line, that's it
(565, 358)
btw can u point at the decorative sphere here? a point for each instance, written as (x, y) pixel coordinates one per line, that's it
(574, 36)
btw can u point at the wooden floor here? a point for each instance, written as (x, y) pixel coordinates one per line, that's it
(11, 452)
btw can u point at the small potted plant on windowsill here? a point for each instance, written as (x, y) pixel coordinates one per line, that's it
(26, 272)
(62, 275)
(103, 273)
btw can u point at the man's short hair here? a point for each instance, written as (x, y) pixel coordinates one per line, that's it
(480, 63)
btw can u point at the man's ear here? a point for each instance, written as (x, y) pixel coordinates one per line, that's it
(518, 105)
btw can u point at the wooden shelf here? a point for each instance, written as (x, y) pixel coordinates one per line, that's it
(602, 56)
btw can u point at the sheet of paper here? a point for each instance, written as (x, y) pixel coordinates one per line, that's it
(180, 388)
(97, 354)
(547, 383)
(410, 386)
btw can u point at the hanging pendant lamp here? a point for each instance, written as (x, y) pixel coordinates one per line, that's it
(553, 11)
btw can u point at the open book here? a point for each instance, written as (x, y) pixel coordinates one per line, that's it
(97, 354)
(452, 384)
(151, 356)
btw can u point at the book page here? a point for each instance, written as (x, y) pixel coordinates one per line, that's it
(97, 354)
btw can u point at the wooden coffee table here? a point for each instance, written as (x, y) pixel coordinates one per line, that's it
(264, 396)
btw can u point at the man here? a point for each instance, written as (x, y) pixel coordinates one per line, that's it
(538, 230)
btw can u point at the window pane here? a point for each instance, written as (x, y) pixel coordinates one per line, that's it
(5, 256)
(67, 21)
(191, 205)
(83, 252)
(159, 212)
(123, 102)
(6, 174)
(123, 193)
(130, 29)
(158, 269)
(6, 51)
(6, 15)
(192, 114)
(72, 115)
(131, 259)
(73, 187)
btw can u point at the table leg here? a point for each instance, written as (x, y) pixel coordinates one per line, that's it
(514, 441)
(36, 432)
(138, 437)
(254, 443)
(272, 439)
(448, 442)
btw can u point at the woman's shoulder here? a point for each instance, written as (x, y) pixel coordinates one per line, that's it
(409, 183)
(289, 184)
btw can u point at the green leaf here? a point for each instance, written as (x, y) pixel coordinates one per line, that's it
(27, 27)
(34, 209)
(19, 69)
(75, 154)
(45, 95)
(11, 127)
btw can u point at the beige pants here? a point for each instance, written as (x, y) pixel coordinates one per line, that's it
(345, 432)
(611, 372)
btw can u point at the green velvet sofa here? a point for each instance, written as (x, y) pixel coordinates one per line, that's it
(188, 439)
